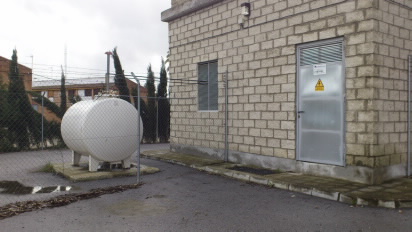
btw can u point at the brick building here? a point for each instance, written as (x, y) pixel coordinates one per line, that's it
(317, 87)
(86, 89)
(24, 71)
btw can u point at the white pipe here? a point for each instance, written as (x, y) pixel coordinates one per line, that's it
(138, 128)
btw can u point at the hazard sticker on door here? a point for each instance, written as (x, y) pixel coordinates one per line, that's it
(319, 86)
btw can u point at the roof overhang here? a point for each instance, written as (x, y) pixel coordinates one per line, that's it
(186, 8)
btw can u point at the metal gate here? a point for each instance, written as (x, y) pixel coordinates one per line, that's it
(321, 102)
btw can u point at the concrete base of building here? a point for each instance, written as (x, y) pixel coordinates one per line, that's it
(360, 174)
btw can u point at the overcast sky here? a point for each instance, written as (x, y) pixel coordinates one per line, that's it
(88, 28)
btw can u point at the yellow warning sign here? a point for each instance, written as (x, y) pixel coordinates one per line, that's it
(319, 86)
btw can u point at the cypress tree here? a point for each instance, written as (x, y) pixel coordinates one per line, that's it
(47, 104)
(143, 113)
(151, 105)
(75, 99)
(120, 79)
(6, 144)
(21, 123)
(63, 97)
(163, 106)
(3, 104)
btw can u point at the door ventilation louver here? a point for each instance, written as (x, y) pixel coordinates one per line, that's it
(323, 54)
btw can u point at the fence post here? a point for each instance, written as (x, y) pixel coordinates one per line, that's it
(226, 83)
(409, 115)
(42, 121)
(170, 110)
(157, 119)
(138, 128)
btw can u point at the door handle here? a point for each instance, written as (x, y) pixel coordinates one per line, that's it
(301, 112)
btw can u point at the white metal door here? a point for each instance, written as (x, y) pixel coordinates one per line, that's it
(321, 103)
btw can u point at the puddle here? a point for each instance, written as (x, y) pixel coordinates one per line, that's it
(258, 171)
(17, 188)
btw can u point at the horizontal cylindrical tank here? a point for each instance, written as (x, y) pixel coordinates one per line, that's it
(105, 129)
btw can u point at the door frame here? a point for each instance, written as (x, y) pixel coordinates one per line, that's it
(299, 47)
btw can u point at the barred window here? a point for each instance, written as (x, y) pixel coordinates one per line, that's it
(208, 86)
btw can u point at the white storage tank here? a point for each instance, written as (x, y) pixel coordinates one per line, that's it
(104, 129)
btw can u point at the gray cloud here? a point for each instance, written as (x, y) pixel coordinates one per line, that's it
(89, 28)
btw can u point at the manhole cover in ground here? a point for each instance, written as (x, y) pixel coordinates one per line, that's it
(257, 171)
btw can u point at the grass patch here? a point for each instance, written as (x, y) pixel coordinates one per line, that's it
(255, 170)
(48, 168)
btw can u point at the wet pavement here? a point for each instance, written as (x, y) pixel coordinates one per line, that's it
(197, 195)
(395, 193)
(180, 199)
(31, 169)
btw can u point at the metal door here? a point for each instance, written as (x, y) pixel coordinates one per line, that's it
(321, 102)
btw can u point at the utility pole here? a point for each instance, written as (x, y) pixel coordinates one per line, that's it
(32, 57)
(108, 53)
(32, 66)
(65, 61)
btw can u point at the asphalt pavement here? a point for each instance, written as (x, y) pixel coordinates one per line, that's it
(184, 199)
(23, 167)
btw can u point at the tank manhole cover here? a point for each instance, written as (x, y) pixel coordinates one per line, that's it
(257, 171)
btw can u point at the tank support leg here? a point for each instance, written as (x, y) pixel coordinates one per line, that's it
(93, 164)
(76, 158)
(126, 163)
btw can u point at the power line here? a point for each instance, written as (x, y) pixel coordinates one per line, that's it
(71, 67)
(141, 78)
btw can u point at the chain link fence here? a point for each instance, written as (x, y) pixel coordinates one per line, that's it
(37, 138)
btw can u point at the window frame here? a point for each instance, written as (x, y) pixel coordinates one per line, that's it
(209, 104)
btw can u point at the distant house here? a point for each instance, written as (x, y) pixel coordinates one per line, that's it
(86, 89)
(25, 72)
(317, 87)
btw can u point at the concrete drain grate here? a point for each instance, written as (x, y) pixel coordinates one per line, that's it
(257, 171)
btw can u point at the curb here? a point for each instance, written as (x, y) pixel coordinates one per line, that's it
(343, 197)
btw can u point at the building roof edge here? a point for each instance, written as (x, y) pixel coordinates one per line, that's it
(186, 8)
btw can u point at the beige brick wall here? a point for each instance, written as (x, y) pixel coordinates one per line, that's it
(388, 77)
(261, 64)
